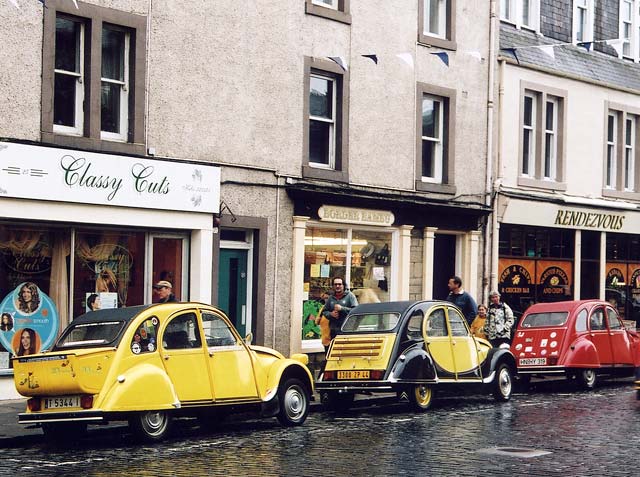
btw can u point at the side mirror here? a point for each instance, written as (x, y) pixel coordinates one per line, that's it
(249, 338)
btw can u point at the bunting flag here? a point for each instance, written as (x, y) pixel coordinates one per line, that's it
(373, 58)
(548, 50)
(339, 60)
(407, 58)
(476, 54)
(14, 3)
(616, 44)
(513, 52)
(585, 44)
(443, 56)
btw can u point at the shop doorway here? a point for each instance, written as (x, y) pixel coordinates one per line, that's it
(168, 261)
(235, 281)
(444, 264)
(590, 265)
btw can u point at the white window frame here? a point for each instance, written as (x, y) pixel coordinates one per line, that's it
(630, 48)
(442, 16)
(78, 128)
(511, 4)
(516, 14)
(587, 8)
(122, 134)
(551, 146)
(331, 121)
(333, 5)
(438, 140)
(610, 173)
(530, 130)
(630, 124)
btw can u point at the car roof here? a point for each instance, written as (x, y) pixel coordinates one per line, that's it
(568, 306)
(130, 312)
(393, 306)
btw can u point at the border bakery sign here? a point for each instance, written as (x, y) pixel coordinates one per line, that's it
(34, 172)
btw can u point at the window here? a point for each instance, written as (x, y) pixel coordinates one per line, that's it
(182, 333)
(88, 107)
(457, 323)
(326, 115)
(437, 23)
(216, 331)
(436, 324)
(337, 10)
(522, 13)
(620, 172)
(435, 139)
(542, 137)
(630, 29)
(583, 20)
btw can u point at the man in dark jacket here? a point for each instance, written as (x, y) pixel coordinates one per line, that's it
(462, 299)
(338, 305)
(162, 289)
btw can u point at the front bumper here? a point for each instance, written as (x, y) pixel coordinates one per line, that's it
(67, 416)
(542, 370)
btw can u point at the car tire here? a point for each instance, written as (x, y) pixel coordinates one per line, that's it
(503, 383)
(151, 426)
(587, 378)
(334, 401)
(420, 397)
(54, 431)
(294, 403)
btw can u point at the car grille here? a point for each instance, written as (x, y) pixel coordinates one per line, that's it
(357, 347)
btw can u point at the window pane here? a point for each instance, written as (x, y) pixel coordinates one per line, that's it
(526, 151)
(610, 128)
(67, 45)
(609, 181)
(528, 111)
(113, 46)
(319, 142)
(548, 154)
(434, 16)
(430, 118)
(428, 158)
(64, 100)
(321, 97)
(549, 117)
(505, 8)
(526, 12)
(110, 111)
(628, 132)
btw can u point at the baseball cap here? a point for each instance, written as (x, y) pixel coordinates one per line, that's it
(162, 284)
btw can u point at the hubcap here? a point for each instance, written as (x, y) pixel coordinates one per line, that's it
(154, 421)
(423, 393)
(294, 403)
(505, 382)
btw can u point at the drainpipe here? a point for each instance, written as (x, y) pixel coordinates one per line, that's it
(489, 234)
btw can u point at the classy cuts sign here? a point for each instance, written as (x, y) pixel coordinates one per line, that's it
(33, 172)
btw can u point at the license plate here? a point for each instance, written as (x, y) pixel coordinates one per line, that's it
(533, 361)
(62, 402)
(353, 374)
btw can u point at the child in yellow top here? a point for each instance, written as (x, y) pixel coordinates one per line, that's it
(477, 327)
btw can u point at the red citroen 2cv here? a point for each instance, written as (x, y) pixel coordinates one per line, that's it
(578, 339)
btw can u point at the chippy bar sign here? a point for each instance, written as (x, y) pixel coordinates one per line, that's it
(34, 172)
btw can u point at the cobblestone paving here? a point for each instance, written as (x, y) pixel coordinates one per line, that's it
(586, 434)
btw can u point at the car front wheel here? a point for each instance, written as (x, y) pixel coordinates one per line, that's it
(420, 397)
(294, 403)
(151, 425)
(587, 378)
(503, 383)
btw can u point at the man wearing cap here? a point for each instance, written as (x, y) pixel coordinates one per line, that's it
(162, 289)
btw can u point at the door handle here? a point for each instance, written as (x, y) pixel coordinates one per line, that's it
(166, 357)
(210, 354)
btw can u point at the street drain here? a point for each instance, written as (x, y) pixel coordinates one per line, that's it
(514, 452)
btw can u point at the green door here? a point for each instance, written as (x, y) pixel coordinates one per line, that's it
(232, 287)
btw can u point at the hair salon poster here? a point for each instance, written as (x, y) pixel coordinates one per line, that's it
(29, 320)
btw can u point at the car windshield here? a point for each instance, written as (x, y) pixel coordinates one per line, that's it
(85, 335)
(540, 320)
(370, 322)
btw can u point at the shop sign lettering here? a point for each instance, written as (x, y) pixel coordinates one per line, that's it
(590, 220)
(554, 281)
(355, 216)
(515, 279)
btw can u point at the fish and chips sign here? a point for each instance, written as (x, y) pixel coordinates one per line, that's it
(34, 172)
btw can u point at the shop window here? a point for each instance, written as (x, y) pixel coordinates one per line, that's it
(523, 241)
(116, 42)
(437, 23)
(362, 257)
(326, 120)
(337, 10)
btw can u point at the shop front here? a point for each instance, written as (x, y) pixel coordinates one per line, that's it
(553, 251)
(81, 231)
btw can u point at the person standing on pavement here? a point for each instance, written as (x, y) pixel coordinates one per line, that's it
(477, 327)
(162, 289)
(462, 299)
(499, 321)
(338, 305)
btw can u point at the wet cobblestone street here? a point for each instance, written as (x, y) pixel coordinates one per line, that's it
(583, 434)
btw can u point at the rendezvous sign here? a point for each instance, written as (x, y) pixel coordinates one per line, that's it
(42, 173)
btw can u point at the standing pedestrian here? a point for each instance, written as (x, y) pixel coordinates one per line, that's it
(477, 327)
(462, 299)
(163, 290)
(338, 305)
(499, 321)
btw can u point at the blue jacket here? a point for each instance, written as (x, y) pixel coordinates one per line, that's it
(466, 303)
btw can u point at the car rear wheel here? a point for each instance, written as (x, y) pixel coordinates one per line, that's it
(503, 383)
(294, 403)
(420, 397)
(587, 378)
(151, 425)
(334, 401)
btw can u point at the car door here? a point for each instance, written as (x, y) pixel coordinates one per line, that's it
(438, 342)
(599, 335)
(465, 352)
(620, 345)
(230, 363)
(184, 358)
